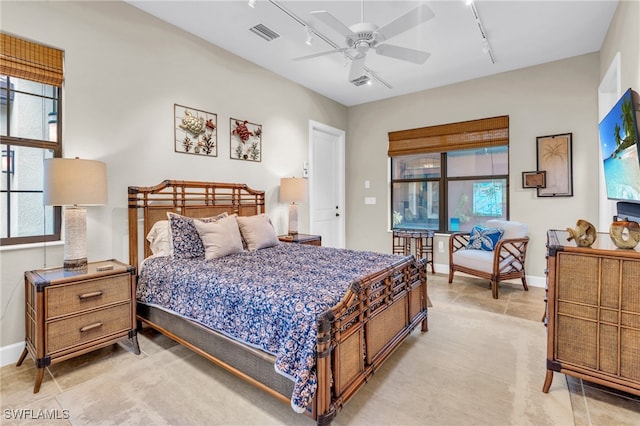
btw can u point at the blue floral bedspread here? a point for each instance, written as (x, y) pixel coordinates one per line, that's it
(269, 298)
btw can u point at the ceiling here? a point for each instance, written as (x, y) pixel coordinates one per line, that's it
(519, 33)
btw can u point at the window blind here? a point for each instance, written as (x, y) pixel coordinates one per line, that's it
(482, 133)
(31, 61)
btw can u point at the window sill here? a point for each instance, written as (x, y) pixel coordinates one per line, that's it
(31, 245)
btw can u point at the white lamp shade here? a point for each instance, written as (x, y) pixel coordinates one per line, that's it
(293, 190)
(72, 181)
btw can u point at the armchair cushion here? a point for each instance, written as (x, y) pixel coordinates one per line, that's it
(484, 238)
(511, 229)
(481, 260)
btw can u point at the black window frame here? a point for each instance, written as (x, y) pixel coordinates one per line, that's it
(443, 199)
(7, 142)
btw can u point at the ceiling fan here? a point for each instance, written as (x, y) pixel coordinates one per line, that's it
(365, 36)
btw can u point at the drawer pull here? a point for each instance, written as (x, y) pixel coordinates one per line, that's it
(90, 295)
(90, 327)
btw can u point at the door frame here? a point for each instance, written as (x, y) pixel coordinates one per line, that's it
(340, 135)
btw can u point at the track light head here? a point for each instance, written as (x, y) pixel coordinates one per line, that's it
(309, 40)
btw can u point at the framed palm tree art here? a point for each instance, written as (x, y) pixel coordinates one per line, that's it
(554, 156)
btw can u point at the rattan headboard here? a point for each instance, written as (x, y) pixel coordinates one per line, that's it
(147, 205)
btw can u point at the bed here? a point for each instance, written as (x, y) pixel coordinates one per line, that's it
(363, 311)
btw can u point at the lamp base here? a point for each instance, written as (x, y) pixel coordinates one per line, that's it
(293, 219)
(75, 239)
(75, 264)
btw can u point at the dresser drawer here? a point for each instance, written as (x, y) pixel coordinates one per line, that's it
(70, 298)
(84, 328)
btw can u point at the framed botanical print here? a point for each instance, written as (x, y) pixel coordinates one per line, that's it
(554, 157)
(534, 179)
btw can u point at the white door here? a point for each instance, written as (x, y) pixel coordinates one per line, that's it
(326, 184)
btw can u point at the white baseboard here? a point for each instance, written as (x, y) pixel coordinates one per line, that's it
(532, 280)
(9, 354)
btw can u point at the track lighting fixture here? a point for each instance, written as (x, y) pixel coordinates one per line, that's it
(486, 46)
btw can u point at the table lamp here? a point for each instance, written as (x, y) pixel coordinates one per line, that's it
(293, 190)
(72, 183)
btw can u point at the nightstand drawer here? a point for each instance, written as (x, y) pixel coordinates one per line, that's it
(66, 299)
(85, 328)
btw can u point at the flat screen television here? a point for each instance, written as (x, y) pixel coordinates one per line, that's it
(619, 144)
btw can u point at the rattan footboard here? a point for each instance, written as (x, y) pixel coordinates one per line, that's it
(354, 337)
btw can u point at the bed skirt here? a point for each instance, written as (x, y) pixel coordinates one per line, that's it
(256, 364)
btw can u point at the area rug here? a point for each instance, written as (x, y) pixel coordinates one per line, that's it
(472, 368)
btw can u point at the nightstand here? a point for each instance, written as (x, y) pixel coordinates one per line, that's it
(70, 313)
(310, 240)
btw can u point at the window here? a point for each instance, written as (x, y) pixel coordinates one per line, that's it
(30, 87)
(451, 177)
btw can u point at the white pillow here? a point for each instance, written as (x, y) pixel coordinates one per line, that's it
(511, 228)
(159, 238)
(220, 238)
(257, 231)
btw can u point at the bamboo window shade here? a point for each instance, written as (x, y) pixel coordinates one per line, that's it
(483, 133)
(31, 61)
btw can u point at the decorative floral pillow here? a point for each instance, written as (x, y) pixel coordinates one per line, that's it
(257, 231)
(220, 238)
(184, 236)
(484, 238)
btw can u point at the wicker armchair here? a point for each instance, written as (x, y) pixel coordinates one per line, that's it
(506, 261)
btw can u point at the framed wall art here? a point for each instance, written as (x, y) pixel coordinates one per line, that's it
(554, 157)
(195, 131)
(535, 179)
(246, 140)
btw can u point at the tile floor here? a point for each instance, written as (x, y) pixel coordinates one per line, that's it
(593, 405)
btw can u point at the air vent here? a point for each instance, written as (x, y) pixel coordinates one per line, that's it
(264, 32)
(363, 79)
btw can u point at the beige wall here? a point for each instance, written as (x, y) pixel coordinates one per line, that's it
(624, 37)
(557, 97)
(124, 71)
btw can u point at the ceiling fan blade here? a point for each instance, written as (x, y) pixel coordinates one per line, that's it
(407, 21)
(357, 68)
(333, 22)
(315, 55)
(403, 53)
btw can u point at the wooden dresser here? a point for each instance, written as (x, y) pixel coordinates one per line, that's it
(593, 312)
(69, 313)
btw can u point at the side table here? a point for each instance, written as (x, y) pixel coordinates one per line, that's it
(310, 240)
(70, 313)
(421, 240)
